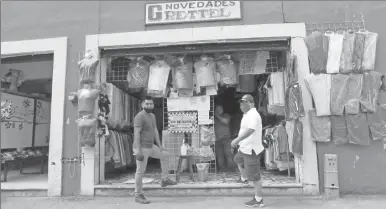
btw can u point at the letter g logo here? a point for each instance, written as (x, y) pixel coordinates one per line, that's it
(154, 12)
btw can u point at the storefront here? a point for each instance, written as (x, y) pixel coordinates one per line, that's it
(281, 40)
(32, 116)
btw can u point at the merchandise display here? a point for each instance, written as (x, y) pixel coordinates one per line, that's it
(138, 74)
(86, 99)
(87, 67)
(182, 122)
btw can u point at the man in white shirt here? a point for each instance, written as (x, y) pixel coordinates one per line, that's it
(250, 149)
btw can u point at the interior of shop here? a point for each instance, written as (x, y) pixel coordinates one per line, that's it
(26, 88)
(259, 72)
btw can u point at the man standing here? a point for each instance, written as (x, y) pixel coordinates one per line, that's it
(250, 148)
(145, 133)
(223, 137)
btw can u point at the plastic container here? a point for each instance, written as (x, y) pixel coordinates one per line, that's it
(203, 171)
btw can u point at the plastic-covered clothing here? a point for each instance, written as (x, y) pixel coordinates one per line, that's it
(86, 99)
(335, 44)
(339, 129)
(228, 71)
(289, 127)
(358, 129)
(317, 44)
(369, 51)
(377, 123)
(354, 85)
(294, 108)
(87, 128)
(320, 127)
(87, 68)
(339, 91)
(183, 74)
(205, 71)
(297, 140)
(370, 91)
(158, 78)
(360, 39)
(253, 64)
(319, 86)
(291, 73)
(346, 58)
(138, 74)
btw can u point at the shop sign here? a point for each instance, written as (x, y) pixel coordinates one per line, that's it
(192, 11)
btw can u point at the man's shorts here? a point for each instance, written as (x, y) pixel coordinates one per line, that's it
(251, 164)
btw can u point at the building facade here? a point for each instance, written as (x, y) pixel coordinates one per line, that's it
(359, 167)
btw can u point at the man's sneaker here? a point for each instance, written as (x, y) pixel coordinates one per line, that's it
(254, 203)
(139, 198)
(167, 182)
(239, 181)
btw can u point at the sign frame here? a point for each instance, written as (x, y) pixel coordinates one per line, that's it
(238, 16)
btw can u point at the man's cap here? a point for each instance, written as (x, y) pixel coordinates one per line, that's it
(247, 98)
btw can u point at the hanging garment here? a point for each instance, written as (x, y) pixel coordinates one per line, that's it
(319, 87)
(274, 106)
(294, 103)
(262, 96)
(183, 74)
(354, 85)
(280, 143)
(369, 51)
(158, 78)
(228, 71)
(377, 123)
(359, 45)
(277, 81)
(339, 129)
(317, 44)
(138, 74)
(291, 72)
(253, 63)
(103, 104)
(358, 129)
(346, 58)
(86, 131)
(335, 44)
(320, 127)
(86, 99)
(339, 91)
(87, 68)
(370, 91)
(289, 127)
(205, 71)
(247, 83)
(297, 145)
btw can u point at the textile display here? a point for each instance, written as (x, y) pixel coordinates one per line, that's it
(205, 70)
(182, 73)
(87, 128)
(118, 149)
(87, 67)
(338, 93)
(289, 127)
(294, 108)
(158, 78)
(86, 99)
(370, 91)
(377, 123)
(253, 63)
(319, 86)
(358, 129)
(339, 129)
(369, 51)
(228, 71)
(207, 136)
(317, 44)
(138, 74)
(335, 45)
(320, 127)
(291, 73)
(297, 144)
(346, 59)
(354, 85)
(359, 46)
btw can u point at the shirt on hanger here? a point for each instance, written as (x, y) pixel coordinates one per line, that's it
(320, 86)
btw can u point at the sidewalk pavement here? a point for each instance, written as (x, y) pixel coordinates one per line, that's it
(349, 202)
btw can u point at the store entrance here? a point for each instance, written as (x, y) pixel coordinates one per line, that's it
(26, 88)
(263, 69)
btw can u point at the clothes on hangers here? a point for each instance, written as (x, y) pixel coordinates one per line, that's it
(358, 129)
(253, 64)
(294, 108)
(317, 44)
(370, 91)
(158, 78)
(228, 71)
(339, 129)
(335, 45)
(377, 123)
(138, 74)
(320, 127)
(369, 51)
(354, 85)
(346, 59)
(319, 86)
(338, 93)
(118, 148)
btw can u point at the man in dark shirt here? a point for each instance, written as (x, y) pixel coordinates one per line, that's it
(145, 134)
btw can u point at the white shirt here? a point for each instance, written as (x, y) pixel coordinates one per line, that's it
(251, 120)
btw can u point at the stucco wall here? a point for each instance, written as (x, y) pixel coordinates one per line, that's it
(75, 19)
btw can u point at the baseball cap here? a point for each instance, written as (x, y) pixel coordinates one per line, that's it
(247, 98)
